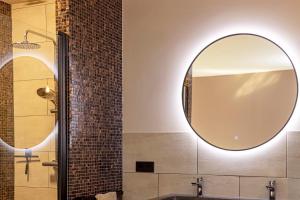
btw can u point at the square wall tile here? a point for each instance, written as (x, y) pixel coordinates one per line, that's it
(32, 130)
(140, 186)
(29, 18)
(54, 142)
(267, 162)
(177, 184)
(255, 187)
(293, 155)
(38, 174)
(213, 186)
(26, 100)
(293, 189)
(171, 152)
(27, 193)
(221, 186)
(51, 20)
(29, 68)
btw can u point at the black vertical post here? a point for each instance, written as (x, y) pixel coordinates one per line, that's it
(63, 67)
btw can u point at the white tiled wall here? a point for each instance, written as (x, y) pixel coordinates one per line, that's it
(140, 186)
(270, 162)
(255, 187)
(179, 160)
(293, 155)
(171, 154)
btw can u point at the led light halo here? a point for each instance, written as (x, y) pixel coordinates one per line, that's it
(275, 136)
(53, 68)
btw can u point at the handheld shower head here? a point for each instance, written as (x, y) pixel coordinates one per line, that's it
(47, 93)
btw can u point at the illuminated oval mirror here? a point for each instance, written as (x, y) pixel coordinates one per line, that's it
(240, 92)
(28, 102)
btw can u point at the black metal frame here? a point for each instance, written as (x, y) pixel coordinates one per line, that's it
(63, 68)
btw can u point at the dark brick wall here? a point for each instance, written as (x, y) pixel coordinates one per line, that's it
(95, 94)
(6, 105)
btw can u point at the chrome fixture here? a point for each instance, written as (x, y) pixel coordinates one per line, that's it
(26, 45)
(48, 94)
(53, 163)
(30, 45)
(199, 185)
(271, 187)
(28, 155)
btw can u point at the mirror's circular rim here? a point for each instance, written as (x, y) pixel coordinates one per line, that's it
(52, 67)
(275, 134)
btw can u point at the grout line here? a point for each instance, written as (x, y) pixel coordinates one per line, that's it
(197, 156)
(47, 109)
(286, 155)
(46, 23)
(31, 6)
(236, 175)
(239, 187)
(35, 79)
(34, 187)
(48, 177)
(158, 186)
(39, 152)
(293, 178)
(21, 116)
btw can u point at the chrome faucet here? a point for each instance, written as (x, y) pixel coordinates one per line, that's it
(199, 186)
(271, 187)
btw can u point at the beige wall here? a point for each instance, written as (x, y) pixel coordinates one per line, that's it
(242, 111)
(33, 120)
(180, 158)
(160, 41)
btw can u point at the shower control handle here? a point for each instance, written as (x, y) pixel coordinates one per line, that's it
(53, 163)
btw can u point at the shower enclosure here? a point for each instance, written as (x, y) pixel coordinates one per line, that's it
(33, 64)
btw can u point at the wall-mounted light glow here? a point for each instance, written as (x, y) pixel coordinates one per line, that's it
(273, 35)
(37, 147)
(52, 66)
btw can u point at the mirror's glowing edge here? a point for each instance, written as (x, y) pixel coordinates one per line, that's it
(273, 35)
(53, 68)
(233, 122)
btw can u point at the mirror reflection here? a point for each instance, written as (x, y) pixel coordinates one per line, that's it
(239, 92)
(30, 102)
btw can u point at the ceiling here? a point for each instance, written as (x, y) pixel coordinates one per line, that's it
(240, 54)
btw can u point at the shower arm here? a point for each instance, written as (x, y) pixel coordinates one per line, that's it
(38, 34)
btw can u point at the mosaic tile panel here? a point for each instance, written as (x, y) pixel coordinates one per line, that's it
(6, 105)
(95, 94)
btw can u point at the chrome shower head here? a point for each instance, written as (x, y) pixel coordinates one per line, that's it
(47, 93)
(50, 95)
(26, 45)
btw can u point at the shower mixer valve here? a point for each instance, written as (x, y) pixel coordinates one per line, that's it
(28, 155)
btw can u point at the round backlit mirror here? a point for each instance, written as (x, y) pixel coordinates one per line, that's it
(28, 103)
(240, 92)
